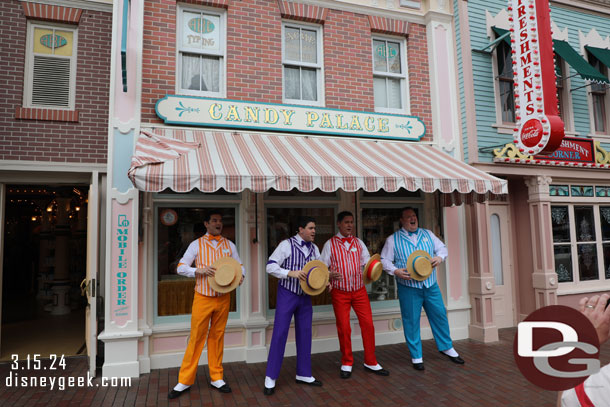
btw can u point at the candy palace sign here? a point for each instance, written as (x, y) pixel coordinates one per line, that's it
(199, 111)
(539, 128)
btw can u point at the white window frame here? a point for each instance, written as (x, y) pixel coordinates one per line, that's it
(222, 53)
(404, 76)
(29, 64)
(605, 134)
(319, 66)
(577, 286)
(497, 93)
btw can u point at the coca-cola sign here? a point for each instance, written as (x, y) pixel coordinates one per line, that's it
(539, 128)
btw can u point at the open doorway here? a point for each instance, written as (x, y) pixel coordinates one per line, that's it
(45, 260)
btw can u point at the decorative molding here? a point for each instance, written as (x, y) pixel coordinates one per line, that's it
(510, 151)
(302, 12)
(558, 33)
(601, 156)
(21, 165)
(385, 25)
(124, 198)
(500, 20)
(538, 185)
(34, 113)
(124, 127)
(592, 39)
(80, 4)
(211, 3)
(368, 10)
(49, 12)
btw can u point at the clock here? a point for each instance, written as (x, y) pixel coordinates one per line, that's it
(169, 217)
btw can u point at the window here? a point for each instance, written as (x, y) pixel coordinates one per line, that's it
(302, 64)
(380, 217)
(201, 53)
(50, 74)
(505, 82)
(598, 98)
(177, 219)
(389, 75)
(581, 240)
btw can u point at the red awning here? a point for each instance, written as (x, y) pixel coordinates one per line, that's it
(182, 160)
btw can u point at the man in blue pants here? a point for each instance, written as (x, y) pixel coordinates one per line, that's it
(412, 294)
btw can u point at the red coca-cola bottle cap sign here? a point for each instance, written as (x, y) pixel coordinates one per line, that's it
(531, 133)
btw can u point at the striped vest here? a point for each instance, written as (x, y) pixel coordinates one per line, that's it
(347, 262)
(207, 255)
(296, 261)
(403, 247)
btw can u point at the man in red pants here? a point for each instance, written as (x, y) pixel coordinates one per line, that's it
(347, 255)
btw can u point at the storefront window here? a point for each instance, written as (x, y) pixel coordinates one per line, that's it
(377, 225)
(581, 238)
(282, 224)
(176, 228)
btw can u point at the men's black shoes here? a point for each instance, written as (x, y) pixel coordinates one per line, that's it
(345, 374)
(174, 394)
(269, 391)
(454, 359)
(418, 366)
(316, 383)
(380, 372)
(223, 389)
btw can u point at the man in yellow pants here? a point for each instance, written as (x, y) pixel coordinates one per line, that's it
(210, 308)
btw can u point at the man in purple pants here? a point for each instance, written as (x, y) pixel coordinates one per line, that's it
(286, 263)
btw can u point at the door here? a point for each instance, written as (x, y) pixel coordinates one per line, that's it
(501, 265)
(89, 285)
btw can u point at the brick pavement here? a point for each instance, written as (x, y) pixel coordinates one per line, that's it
(489, 378)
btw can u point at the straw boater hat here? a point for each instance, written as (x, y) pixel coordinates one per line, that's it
(227, 276)
(372, 269)
(419, 266)
(317, 277)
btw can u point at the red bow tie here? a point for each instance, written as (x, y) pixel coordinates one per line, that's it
(347, 239)
(212, 237)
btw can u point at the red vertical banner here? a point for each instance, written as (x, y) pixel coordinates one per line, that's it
(539, 129)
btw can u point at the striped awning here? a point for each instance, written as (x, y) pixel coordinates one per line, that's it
(183, 160)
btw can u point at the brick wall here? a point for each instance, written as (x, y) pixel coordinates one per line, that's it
(84, 141)
(254, 58)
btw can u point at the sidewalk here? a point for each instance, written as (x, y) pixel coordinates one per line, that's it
(489, 378)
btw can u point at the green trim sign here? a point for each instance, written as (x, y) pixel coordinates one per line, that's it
(208, 112)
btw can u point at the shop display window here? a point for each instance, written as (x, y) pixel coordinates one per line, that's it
(176, 228)
(377, 225)
(282, 224)
(581, 240)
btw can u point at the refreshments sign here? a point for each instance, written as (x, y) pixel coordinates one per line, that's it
(539, 128)
(573, 149)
